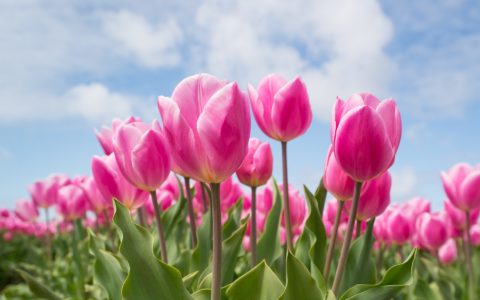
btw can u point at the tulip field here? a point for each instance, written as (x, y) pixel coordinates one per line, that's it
(185, 207)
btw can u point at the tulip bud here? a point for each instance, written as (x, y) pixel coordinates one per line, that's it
(432, 231)
(461, 184)
(448, 252)
(398, 227)
(335, 180)
(256, 168)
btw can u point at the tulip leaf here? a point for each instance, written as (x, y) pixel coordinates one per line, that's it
(396, 278)
(300, 284)
(360, 264)
(268, 246)
(38, 288)
(321, 196)
(230, 249)
(260, 283)
(201, 253)
(189, 279)
(107, 270)
(148, 278)
(233, 221)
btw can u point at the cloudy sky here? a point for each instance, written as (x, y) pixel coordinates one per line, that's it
(67, 67)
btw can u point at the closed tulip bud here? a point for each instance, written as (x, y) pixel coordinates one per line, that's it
(448, 252)
(374, 197)
(256, 168)
(365, 135)
(105, 135)
(461, 184)
(281, 109)
(432, 231)
(142, 155)
(335, 180)
(207, 124)
(398, 226)
(26, 210)
(72, 202)
(112, 184)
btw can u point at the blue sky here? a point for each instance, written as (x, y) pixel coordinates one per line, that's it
(70, 66)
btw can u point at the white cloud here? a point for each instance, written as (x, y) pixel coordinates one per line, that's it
(152, 45)
(404, 181)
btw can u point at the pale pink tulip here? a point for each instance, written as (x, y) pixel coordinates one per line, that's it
(461, 184)
(26, 210)
(105, 135)
(448, 252)
(72, 202)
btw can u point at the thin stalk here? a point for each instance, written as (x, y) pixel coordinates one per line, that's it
(333, 240)
(191, 213)
(381, 251)
(348, 239)
(253, 229)
(141, 216)
(217, 241)
(204, 197)
(80, 282)
(468, 258)
(286, 202)
(48, 236)
(158, 218)
(358, 231)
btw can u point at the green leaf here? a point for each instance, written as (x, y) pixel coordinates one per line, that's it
(396, 278)
(260, 283)
(148, 278)
(189, 279)
(107, 270)
(201, 253)
(321, 196)
(268, 247)
(300, 284)
(38, 288)
(424, 291)
(230, 249)
(360, 267)
(233, 221)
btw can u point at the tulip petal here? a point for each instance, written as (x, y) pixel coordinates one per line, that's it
(390, 114)
(470, 191)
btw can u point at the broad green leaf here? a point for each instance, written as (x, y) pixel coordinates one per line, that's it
(38, 288)
(189, 279)
(321, 196)
(423, 291)
(149, 278)
(268, 246)
(201, 253)
(396, 278)
(230, 249)
(107, 270)
(260, 283)
(360, 267)
(233, 221)
(300, 284)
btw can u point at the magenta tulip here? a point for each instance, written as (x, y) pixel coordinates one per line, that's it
(112, 184)
(44, 192)
(335, 180)
(475, 234)
(461, 184)
(458, 217)
(142, 154)
(330, 212)
(281, 109)
(207, 124)
(431, 230)
(365, 135)
(72, 202)
(26, 210)
(398, 226)
(105, 135)
(98, 203)
(448, 252)
(256, 168)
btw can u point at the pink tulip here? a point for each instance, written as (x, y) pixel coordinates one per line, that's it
(448, 252)
(44, 192)
(374, 197)
(398, 226)
(207, 124)
(98, 203)
(256, 168)
(475, 234)
(142, 155)
(380, 227)
(331, 211)
(72, 202)
(365, 135)
(112, 184)
(335, 180)
(458, 217)
(105, 135)
(26, 210)
(281, 109)
(432, 231)
(461, 184)
(298, 213)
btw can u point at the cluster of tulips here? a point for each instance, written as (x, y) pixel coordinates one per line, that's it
(162, 203)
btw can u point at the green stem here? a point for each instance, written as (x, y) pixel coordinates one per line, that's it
(286, 202)
(253, 228)
(205, 200)
(333, 240)
(468, 254)
(358, 231)
(347, 240)
(217, 241)
(78, 259)
(191, 213)
(158, 218)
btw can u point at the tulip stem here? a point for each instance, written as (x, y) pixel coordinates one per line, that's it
(191, 213)
(141, 216)
(348, 239)
(217, 241)
(358, 231)
(161, 235)
(78, 259)
(468, 258)
(381, 250)
(333, 240)
(253, 228)
(204, 197)
(48, 236)
(286, 202)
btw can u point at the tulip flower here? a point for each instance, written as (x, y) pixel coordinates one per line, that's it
(98, 203)
(207, 124)
(398, 226)
(457, 216)
(448, 252)
(336, 181)
(298, 214)
(431, 230)
(282, 111)
(26, 210)
(475, 234)
(254, 171)
(72, 202)
(105, 135)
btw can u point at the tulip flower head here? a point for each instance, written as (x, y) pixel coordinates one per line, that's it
(26, 210)
(461, 184)
(448, 252)
(105, 135)
(256, 168)
(432, 231)
(335, 180)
